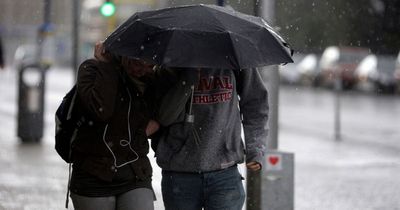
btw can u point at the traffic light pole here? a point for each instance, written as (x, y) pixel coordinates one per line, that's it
(75, 35)
(273, 186)
(43, 31)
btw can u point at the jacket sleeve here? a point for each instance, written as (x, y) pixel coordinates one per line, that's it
(97, 85)
(173, 103)
(254, 112)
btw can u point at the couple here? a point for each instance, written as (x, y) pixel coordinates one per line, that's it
(193, 118)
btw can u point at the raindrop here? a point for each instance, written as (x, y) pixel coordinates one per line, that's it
(119, 39)
(90, 123)
(100, 109)
(142, 47)
(154, 56)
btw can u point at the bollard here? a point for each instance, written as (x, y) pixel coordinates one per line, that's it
(272, 188)
(278, 181)
(31, 90)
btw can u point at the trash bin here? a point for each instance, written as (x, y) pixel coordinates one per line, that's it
(31, 90)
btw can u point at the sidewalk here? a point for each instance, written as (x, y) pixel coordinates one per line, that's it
(358, 173)
(37, 177)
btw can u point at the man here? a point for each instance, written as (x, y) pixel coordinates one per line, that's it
(199, 149)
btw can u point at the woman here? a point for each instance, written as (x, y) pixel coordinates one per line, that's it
(111, 170)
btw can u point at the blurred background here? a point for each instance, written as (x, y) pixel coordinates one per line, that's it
(337, 106)
(363, 34)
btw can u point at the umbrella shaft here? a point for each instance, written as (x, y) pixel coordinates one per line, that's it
(191, 99)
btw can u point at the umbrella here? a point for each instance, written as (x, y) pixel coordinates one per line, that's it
(205, 36)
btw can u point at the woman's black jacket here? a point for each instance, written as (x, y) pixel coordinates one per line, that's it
(117, 113)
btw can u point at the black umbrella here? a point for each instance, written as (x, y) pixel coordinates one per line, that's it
(205, 36)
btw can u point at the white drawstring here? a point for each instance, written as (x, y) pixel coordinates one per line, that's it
(123, 142)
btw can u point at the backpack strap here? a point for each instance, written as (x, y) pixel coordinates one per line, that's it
(68, 185)
(79, 123)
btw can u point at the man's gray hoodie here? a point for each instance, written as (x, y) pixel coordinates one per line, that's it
(223, 100)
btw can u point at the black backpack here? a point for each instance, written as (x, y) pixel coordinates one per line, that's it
(68, 121)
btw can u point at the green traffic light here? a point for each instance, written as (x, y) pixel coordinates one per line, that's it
(107, 9)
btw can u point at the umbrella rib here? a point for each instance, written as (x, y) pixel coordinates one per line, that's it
(167, 47)
(233, 49)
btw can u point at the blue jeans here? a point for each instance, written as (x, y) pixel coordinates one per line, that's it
(218, 190)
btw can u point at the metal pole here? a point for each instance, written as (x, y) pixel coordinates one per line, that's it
(271, 75)
(75, 35)
(272, 79)
(265, 9)
(42, 30)
(337, 90)
(47, 9)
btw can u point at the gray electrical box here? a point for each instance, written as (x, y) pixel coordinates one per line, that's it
(272, 188)
(277, 182)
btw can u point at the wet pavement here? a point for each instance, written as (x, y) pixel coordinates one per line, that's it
(360, 172)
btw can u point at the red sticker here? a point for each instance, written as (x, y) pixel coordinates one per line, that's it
(273, 160)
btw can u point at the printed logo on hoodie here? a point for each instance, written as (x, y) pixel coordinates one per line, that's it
(213, 89)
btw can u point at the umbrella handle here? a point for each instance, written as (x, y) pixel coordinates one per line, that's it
(191, 99)
(190, 117)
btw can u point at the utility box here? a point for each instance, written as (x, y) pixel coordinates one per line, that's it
(272, 188)
(31, 90)
(277, 180)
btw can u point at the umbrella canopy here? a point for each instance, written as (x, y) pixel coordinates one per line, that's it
(205, 36)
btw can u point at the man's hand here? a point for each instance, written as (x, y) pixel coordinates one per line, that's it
(254, 166)
(152, 127)
(100, 52)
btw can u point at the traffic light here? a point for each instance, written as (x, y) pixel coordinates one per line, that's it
(107, 9)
